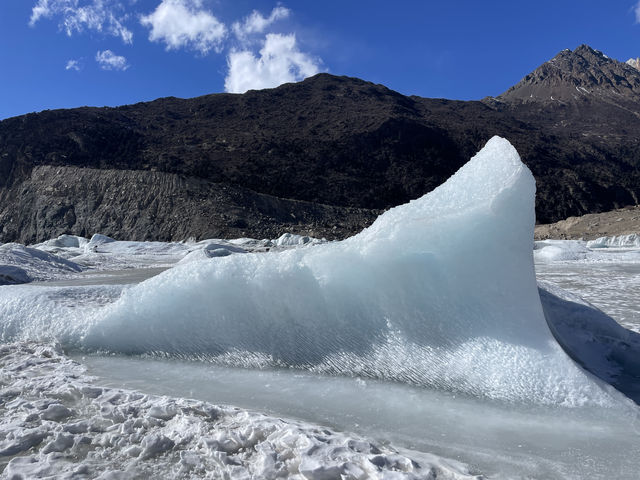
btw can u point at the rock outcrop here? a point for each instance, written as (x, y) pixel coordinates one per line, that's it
(150, 205)
(624, 221)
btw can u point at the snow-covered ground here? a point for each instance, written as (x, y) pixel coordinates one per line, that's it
(607, 277)
(425, 330)
(56, 423)
(20, 264)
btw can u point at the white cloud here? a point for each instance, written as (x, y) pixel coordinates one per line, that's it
(636, 10)
(41, 9)
(185, 24)
(256, 23)
(73, 65)
(280, 61)
(188, 24)
(77, 16)
(110, 61)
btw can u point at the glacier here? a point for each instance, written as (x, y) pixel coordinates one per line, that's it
(439, 293)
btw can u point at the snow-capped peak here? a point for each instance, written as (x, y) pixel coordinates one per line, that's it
(634, 62)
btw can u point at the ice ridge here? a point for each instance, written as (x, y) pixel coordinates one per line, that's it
(439, 292)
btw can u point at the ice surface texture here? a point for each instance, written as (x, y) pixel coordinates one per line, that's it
(438, 292)
(55, 424)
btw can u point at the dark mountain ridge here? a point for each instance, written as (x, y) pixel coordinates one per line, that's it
(329, 151)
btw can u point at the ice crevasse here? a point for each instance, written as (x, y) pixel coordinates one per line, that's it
(439, 292)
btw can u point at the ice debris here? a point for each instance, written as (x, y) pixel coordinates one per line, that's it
(559, 250)
(20, 264)
(619, 241)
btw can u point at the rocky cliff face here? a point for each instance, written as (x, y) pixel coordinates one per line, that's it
(150, 205)
(307, 157)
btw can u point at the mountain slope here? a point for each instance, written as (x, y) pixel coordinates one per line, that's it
(329, 141)
(573, 76)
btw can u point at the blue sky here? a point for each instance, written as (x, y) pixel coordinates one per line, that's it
(69, 53)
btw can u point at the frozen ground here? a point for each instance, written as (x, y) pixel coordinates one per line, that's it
(56, 423)
(426, 330)
(503, 441)
(607, 277)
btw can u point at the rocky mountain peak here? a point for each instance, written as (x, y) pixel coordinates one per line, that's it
(577, 75)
